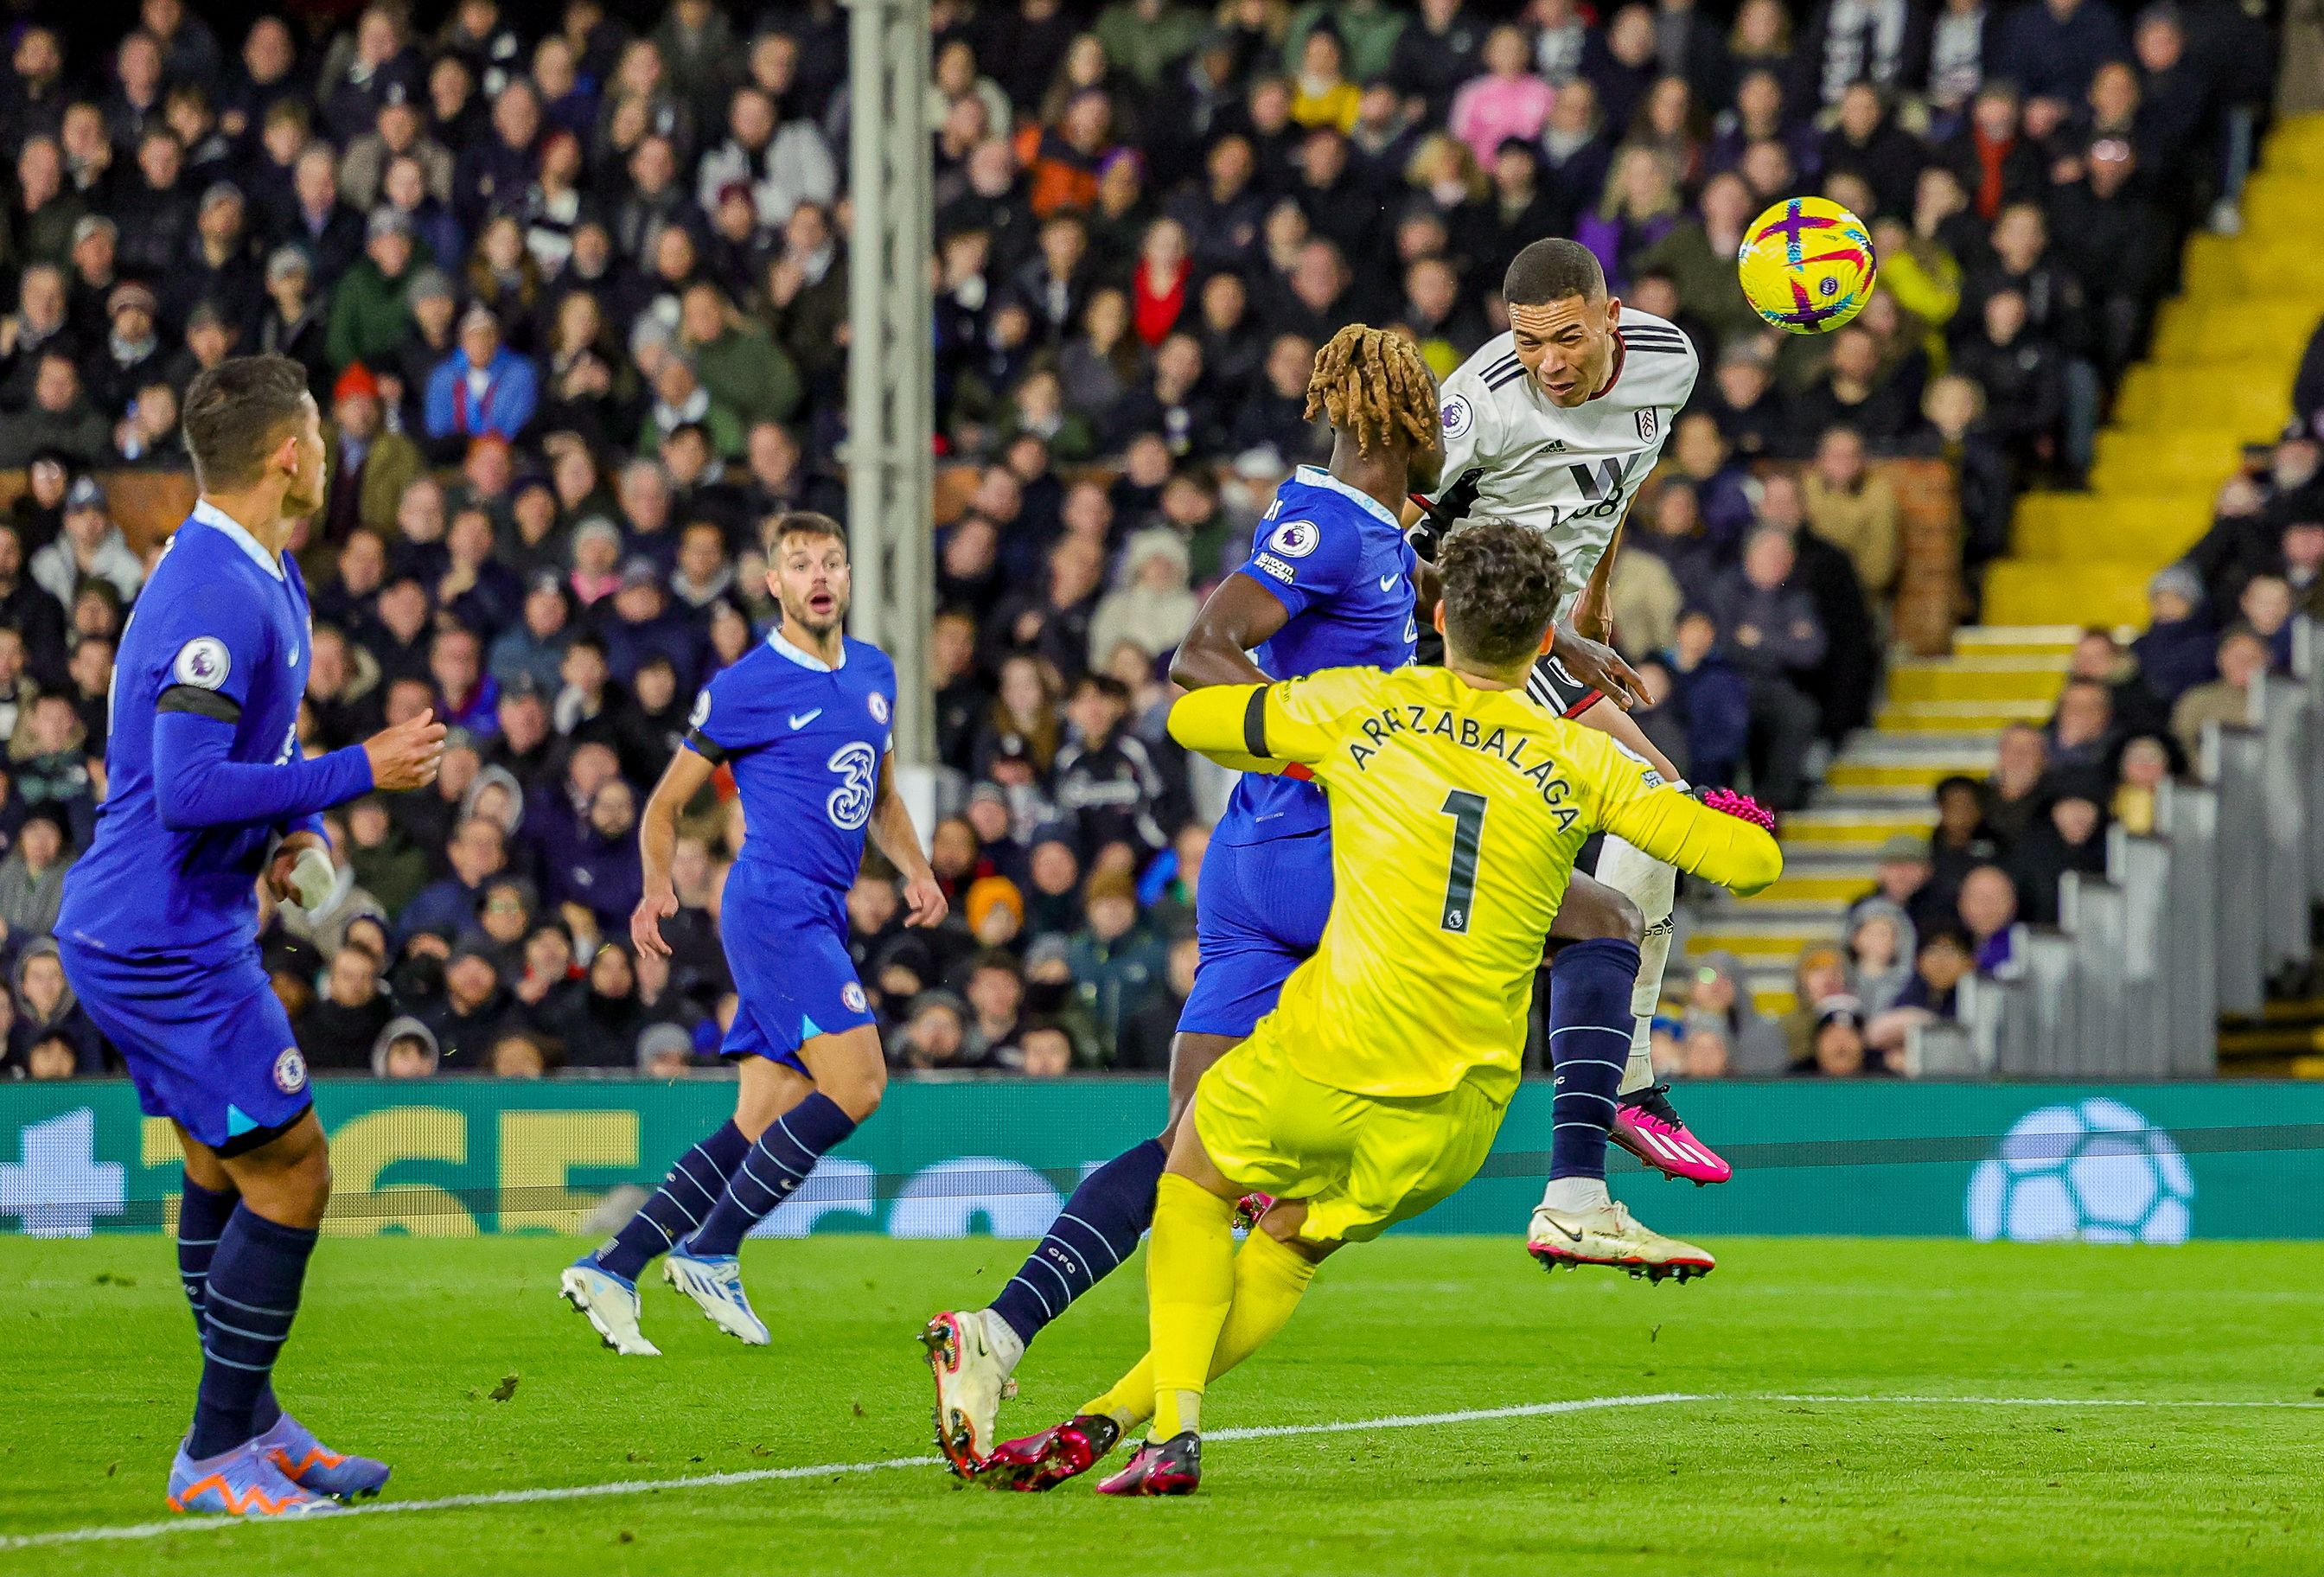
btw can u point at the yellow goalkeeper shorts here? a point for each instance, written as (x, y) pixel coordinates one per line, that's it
(1361, 1163)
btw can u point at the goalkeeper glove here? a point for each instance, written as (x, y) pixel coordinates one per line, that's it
(1741, 806)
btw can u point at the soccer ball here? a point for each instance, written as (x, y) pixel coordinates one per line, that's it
(2095, 1171)
(1806, 265)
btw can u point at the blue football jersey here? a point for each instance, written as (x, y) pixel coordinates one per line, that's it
(1339, 562)
(221, 630)
(806, 742)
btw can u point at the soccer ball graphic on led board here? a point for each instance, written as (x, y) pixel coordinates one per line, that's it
(1806, 265)
(2095, 1171)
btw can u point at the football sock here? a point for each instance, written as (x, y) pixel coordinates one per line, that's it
(1653, 886)
(1189, 1287)
(250, 1300)
(1098, 1230)
(202, 1215)
(771, 1170)
(1589, 1029)
(679, 1205)
(1269, 1280)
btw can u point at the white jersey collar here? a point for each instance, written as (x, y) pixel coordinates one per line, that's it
(1316, 477)
(218, 519)
(806, 659)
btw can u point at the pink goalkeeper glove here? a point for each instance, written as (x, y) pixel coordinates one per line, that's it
(1742, 806)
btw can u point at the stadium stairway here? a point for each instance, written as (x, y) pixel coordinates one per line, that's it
(1940, 717)
(2217, 376)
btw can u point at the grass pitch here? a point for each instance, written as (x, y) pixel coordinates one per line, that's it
(1856, 1406)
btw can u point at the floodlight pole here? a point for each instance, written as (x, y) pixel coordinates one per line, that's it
(890, 359)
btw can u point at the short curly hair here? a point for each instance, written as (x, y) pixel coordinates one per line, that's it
(1502, 586)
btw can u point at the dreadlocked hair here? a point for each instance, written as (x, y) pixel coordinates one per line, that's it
(1371, 383)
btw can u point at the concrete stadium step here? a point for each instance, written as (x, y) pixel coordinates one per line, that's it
(2097, 591)
(2222, 395)
(2219, 267)
(2296, 144)
(1905, 774)
(2266, 333)
(1803, 883)
(1839, 831)
(1954, 716)
(1872, 749)
(2071, 526)
(1771, 944)
(2280, 202)
(2015, 639)
(1978, 678)
(2171, 459)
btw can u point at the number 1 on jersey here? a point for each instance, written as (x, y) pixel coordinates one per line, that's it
(1468, 813)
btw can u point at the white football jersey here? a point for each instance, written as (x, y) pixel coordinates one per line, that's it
(1512, 454)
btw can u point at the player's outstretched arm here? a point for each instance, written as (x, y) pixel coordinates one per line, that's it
(1239, 615)
(681, 780)
(1717, 845)
(1284, 728)
(899, 839)
(197, 783)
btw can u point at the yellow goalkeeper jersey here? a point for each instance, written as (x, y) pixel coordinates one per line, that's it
(1456, 815)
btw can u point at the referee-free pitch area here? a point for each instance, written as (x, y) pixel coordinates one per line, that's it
(1439, 1406)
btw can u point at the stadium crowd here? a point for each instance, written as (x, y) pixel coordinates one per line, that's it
(573, 303)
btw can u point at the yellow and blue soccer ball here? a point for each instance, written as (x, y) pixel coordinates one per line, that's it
(1807, 265)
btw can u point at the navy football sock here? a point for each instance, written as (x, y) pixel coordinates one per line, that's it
(250, 1301)
(1590, 1028)
(1097, 1230)
(202, 1215)
(771, 1169)
(679, 1205)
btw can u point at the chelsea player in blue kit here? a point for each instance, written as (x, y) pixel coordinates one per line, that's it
(208, 791)
(803, 720)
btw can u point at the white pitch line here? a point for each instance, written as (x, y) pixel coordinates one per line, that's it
(147, 1530)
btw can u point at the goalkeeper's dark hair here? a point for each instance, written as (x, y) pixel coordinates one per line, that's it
(1370, 382)
(1502, 585)
(236, 412)
(1551, 270)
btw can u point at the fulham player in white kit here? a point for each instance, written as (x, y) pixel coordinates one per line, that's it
(1554, 424)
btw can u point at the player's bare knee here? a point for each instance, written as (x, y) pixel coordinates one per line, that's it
(1594, 911)
(856, 1091)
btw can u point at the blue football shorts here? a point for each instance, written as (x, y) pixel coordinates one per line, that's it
(1259, 914)
(787, 945)
(206, 1042)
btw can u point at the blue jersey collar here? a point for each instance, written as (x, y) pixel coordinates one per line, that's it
(1316, 477)
(218, 519)
(806, 659)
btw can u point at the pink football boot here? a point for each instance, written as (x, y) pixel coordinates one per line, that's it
(1648, 1126)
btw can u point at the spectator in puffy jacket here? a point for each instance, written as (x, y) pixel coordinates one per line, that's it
(484, 388)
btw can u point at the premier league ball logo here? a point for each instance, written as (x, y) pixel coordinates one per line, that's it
(202, 663)
(2095, 1171)
(1294, 539)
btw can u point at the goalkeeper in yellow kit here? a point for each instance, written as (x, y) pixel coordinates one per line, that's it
(1375, 1088)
